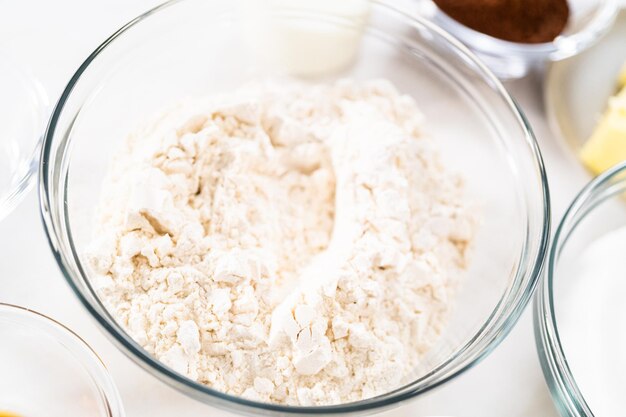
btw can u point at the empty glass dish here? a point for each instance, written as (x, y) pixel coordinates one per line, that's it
(22, 106)
(48, 370)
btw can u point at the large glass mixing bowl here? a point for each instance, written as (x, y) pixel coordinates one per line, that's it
(198, 47)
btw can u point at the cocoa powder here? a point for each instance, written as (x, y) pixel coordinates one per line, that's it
(523, 21)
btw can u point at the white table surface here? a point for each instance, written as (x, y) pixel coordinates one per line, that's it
(52, 38)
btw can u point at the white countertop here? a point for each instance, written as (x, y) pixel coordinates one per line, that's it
(53, 37)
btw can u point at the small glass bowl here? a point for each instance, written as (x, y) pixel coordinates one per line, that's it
(22, 106)
(577, 90)
(589, 20)
(48, 370)
(598, 209)
(198, 48)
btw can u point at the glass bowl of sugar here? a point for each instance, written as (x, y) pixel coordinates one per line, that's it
(580, 320)
(48, 370)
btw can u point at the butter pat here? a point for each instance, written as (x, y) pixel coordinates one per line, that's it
(621, 80)
(607, 145)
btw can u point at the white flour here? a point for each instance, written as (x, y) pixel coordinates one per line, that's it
(293, 244)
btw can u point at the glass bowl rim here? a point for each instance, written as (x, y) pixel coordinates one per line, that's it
(21, 188)
(523, 290)
(554, 364)
(72, 341)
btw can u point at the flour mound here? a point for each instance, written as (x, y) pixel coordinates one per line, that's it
(294, 244)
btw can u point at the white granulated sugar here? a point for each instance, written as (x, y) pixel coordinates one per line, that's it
(288, 243)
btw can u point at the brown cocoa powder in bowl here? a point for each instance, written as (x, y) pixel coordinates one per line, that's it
(523, 21)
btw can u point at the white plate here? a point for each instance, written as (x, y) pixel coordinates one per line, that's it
(577, 89)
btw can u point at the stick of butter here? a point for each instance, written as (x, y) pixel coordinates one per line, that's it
(607, 145)
(621, 80)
